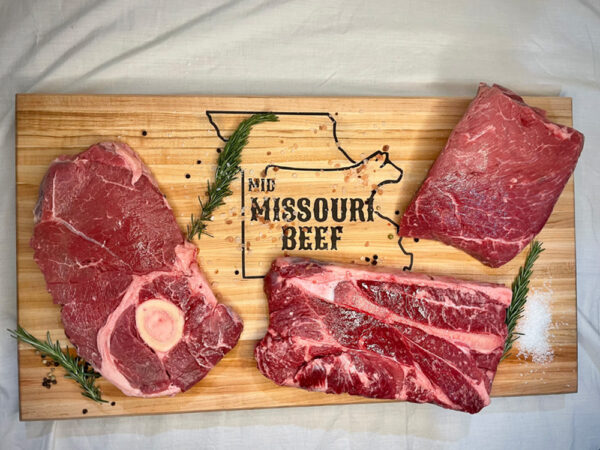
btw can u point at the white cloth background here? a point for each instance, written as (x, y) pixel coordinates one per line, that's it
(391, 48)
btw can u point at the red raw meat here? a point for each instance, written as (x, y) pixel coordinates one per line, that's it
(383, 334)
(494, 185)
(107, 241)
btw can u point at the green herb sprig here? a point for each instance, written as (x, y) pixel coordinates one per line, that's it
(228, 167)
(77, 369)
(520, 289)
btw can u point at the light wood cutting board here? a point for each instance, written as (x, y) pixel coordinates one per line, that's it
(315, 152)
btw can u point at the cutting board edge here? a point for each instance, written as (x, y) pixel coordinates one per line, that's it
(365, 401)
(24, 97)
(18, 272)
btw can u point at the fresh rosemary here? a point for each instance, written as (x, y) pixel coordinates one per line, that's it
(520, 289)
(77, 369)
(228, 167)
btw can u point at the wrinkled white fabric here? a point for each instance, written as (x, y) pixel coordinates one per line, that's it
(315, 47)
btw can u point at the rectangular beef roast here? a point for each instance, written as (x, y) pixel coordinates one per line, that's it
(134, 302)
(495, 183)
(383, 334)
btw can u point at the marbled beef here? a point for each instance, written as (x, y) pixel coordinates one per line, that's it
(383, 333)
(495, 183)
(134, 302)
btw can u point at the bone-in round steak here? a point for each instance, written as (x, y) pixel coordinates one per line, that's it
(134, 302)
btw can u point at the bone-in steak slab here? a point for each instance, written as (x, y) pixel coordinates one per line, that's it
(110, 250)
(383, 334)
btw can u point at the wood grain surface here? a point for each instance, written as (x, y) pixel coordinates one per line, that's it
(176, 139)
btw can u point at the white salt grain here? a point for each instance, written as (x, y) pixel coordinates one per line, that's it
(535, 326)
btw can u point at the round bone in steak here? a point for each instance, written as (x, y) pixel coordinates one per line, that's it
(134, 302)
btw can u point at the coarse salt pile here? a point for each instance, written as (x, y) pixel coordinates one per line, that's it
(535, 326)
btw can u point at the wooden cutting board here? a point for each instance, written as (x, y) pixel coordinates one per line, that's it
(315, 151)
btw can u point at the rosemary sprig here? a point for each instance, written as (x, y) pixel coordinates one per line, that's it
(228, 167)
(520, 289)
(77, 369)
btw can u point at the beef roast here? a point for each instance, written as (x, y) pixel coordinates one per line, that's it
(134, 302)
(494, 185)
(383, 334)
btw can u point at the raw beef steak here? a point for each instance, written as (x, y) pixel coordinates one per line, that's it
(494, 185)
(393, 335)
(134, 302)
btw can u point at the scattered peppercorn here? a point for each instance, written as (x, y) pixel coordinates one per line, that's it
(187, 175)
(374, 263)
(199, 162)
(367, 259)
(416, 239)
(237, 272)
(375, 256)
(396, 212)
(144, 132)
(84, 411)
(113, 403)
